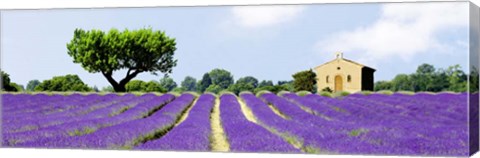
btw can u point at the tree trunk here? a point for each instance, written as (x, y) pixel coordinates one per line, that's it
(119, 88)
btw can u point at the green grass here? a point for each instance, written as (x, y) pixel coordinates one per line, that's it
(326, 94)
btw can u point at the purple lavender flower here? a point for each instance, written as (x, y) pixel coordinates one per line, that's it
(192, 134)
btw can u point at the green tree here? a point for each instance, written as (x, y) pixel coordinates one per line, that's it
(272, 89)
(95, 89)
(423, 77)
(214, 89)
(203, 84)
(439, 82)
(304, 80)
(286, 85)
(284, 82)
(142, 86)
(265, 83)
(137, 51)
(63, 84)
(401, 82)
(32, 84)
(168, 83)
(248, 80)
(189, 83)
(221, 77)
(425, 69)
(240, 87)
(457, 78)
(154, 86)
(6, 84)
(383, 85)
(108, 89)
(135, 86)
(178, 90)
(17, 87)
(474, 81)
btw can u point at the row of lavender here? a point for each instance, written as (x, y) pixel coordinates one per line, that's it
(107, 111)
(399, 124)
(357, 124)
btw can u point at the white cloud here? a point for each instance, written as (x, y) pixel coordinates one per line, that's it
(264, 16)
(402, 31)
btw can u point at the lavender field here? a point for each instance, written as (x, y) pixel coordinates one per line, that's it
(397, 124)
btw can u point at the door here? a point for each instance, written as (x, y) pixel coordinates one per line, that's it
(338, 83)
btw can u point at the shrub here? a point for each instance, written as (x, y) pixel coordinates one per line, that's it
(341, 94)
(327, 89)
(178, 89)
(260, 93)
(281, 93)
(366, 92)
(325, 94)
(192, 93)
(225, 92)
(303, 93)
(265, 88)
(214, 89)
(63, 84)
(386, 92)
(238, 87)
(245, 92)
(406, 92)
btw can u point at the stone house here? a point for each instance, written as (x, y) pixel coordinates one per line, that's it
(342, 74)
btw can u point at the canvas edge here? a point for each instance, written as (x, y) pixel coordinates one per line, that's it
(474, 48)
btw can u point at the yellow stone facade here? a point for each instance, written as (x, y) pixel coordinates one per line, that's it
(342, 74)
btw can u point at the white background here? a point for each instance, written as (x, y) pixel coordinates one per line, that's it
(52, 153)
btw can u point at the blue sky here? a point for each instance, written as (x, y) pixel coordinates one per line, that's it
(267, 42)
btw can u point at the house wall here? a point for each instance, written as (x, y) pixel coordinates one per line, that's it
(367, 79)
(346, 68)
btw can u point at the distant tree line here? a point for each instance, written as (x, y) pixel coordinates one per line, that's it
(218, 80)
(428, 78)
(215, 81)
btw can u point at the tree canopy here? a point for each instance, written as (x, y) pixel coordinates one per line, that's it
(189, 83)
(304, 81)
(142, 86)
(63, 83)
(221, 77)
(7, 85)
(32, 84)
(136, 51)
(168, 83)
(240, 87)
(248, 80)
(428, 78)
(265, 83)
(214, 88)
(204, 83)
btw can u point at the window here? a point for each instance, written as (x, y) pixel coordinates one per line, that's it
(327, 79)
(349, 78)
(338, 68)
